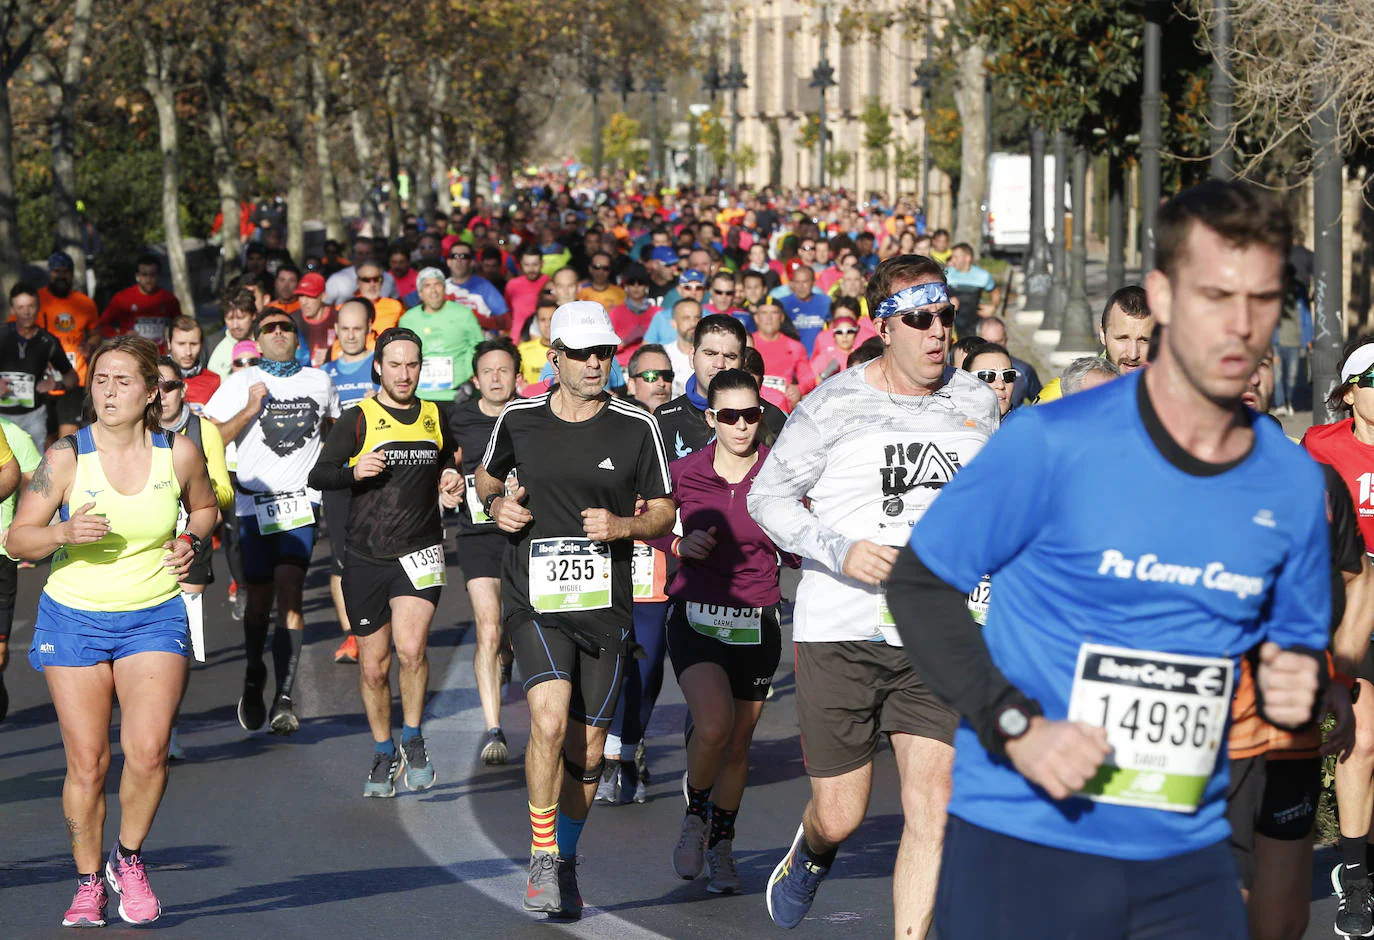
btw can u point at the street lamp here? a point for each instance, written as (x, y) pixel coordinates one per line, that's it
(822, 78)
(734, 81)
(624, 84)
(593, 83)
(926, 73)
(653, 86)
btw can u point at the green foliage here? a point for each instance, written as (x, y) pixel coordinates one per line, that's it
(622, 145)
(877, 125)
(906, 163)
(809, 134)
(746, 158)
(837, 164)
(714, 135)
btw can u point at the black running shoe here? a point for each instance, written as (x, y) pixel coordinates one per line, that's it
(541, 893)
(284, 720)
(494, 750)
(567, 889)
(1354, 917)
(4, 698)
(642, 763)
(252, 709)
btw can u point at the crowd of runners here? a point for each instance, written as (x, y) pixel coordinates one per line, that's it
(1099, 634)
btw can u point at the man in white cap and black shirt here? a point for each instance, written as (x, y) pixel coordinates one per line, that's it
(582, 458)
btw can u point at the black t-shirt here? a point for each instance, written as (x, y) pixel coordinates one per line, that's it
(606, 462)
(470, 428)
(30, 357)
(1347, 545)
(683, 427)
(397, 511)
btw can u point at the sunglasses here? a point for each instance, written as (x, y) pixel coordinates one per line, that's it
(846, 331)
(656, 375)
(808, 247)
(370, 280)
(731, 416)
(924, 319)
(728, 292)
(171, 385)
(582, 355)
(601, 267)
(691, 286)
(1008, 376)
(1365, 381)
(284, 326)
(460, 256)
(245, 363)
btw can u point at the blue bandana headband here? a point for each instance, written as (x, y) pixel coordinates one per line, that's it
(911, 298)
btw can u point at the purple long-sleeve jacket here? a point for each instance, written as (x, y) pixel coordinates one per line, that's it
(742, 570)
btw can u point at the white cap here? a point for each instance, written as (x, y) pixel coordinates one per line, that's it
(1358, 362)
(426, 274)
(582, 324)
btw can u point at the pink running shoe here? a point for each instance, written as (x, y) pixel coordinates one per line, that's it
(88, 906)
(137, 903)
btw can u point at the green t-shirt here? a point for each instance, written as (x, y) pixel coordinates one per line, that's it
(450, 337)
(28, 456)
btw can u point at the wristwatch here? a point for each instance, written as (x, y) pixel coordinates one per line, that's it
(1013, 719)
(193, 540)
(486, 503)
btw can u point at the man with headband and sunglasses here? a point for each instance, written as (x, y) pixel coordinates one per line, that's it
(582, 460)
(869, 450)
(276, 413)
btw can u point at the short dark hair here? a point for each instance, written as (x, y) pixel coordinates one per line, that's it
(149, 258)
(289, 266)
(1239, 212)
(731, 380)
(501, 344)
(846, 303)
(241, 299)
(754, 274)
(870, 349)
(171, 363)
(754, 364)
(720, 323)
(968, 345)
(185, 324)
(21, 288)
(530, 248)
(255, 248)
(982, 351)
(900, 268)
(1132, 301)
(963, 246)
(646, 349)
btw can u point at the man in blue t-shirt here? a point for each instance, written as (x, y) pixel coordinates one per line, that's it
(807, 308)
(968, 282)
(1140, 537)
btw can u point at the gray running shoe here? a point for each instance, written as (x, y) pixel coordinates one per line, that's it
(720, 864)
(420, 773)
(284, 720)
(174, 749)
(568, 891)
(494, 750)
(541, 893)
(689, 855)
(608, 790)
(633, 787)
(381, 780)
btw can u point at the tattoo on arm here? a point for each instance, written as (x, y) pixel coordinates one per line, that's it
(42, 477)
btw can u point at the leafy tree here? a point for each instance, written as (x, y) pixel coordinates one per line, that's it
(621, 143)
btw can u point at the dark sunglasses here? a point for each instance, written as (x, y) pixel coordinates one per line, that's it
(370, 280)
(990, 375)
(278, 326)
(460, 256)
(846, 331)
(601, 267)
(1365, 381)
(171, 385)
(808, 248)
(924, 319)
(656, 375)
(731, 416)
(245, 363)
(728, 292)
(582, 355)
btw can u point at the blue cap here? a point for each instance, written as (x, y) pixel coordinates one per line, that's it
(692, 276)
(664, 254)
(60, 259)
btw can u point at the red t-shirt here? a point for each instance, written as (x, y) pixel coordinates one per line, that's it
(522, 295)
(148, 315)
(785, 363)
(1336, 444)
(631, 327)
(200, 387)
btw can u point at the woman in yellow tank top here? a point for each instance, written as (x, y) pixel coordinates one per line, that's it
(110, 618)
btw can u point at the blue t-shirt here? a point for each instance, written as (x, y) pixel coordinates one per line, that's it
(973, 277)
(1073, 508)
(809, 316)
(352, 380)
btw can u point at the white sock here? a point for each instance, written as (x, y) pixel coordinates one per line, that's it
(612, 749)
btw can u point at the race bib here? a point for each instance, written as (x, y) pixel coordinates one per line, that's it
(1165, 717)
(775, 382)
(475, 511)
(71, 357)
(978, 600)
(150, 328)
(21, 390)
(282, 512)
(569, 574)
(436, 373)
(425, 568)
(733, 626)
(642, 562)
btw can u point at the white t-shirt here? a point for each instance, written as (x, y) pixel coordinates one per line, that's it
(278, 449)
(870, 463)
(682, 367)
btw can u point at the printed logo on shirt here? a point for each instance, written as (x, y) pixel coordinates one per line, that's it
(681, 446)
(1213, 576)
(1265, 518)
(288, 425)
(1366, 481)
(909, 466)
(606, 464)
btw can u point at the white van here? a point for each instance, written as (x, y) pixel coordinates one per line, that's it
(1006, 214)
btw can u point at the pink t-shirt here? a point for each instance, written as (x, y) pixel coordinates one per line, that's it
(522, 295)
(784, 363)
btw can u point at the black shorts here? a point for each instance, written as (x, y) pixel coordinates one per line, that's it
(480, 554)
(69, 408)
(9, 586)
(545, 650)
(335, 505)
(202, 570)
(850, 692)
(369, 584)
(749, 666)
(1273, 798)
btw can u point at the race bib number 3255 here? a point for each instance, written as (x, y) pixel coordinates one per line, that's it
(1165, 717)
(569, 574)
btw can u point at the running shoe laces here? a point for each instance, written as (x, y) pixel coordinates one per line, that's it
(88, 904)
(1354, 917)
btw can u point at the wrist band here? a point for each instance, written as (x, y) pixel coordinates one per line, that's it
(672, 549)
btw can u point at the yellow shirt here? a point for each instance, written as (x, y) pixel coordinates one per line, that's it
(1052, 391)
(533, 356)
(611, 297)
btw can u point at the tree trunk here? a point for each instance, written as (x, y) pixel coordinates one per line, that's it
(157, 81)
(1038, 253)
(329, 191)
(222, 160)
(298, 110)
(393, 159)
(11, 259)
(1116, 223)
(1079, 333)
(971, 100)
(1059, 268)
(62, 87)
(444, 197)
(774, 153)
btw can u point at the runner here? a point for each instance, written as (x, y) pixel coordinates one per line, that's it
(1124, 332)
(1097, 587)
(718, 344)
(72, 317)
(450, 333)
(583, 459)
(184, 345)
(27, 352)
(787, 365)
(869, 449)
(351, 373)
(391, 452)
(991, 363)
(14, 475)
(481, 546)
(110, 621)
(371, 284)
(143, 308)
(723, 624)
(239, 311)
(276, 413)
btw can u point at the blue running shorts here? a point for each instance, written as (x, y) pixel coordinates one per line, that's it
(67, 636)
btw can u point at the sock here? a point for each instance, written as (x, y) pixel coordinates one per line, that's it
(722, 824)
(821, 859)
(542, 825)
(612, 748)
(1353, 849)
(286, 654)
(125, 852)
(87, 879)
(569, 831)
(407, 732)
(255, 638)
(387, 747)
(698, 801)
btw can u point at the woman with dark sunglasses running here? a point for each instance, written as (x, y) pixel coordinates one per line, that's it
(723, 624)
(991, 363)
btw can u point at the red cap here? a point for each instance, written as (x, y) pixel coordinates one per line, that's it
(312, 285)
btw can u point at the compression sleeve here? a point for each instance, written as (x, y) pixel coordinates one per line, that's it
(331, 470)
(213, 445)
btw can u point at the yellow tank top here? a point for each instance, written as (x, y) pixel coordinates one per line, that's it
(124, 570)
